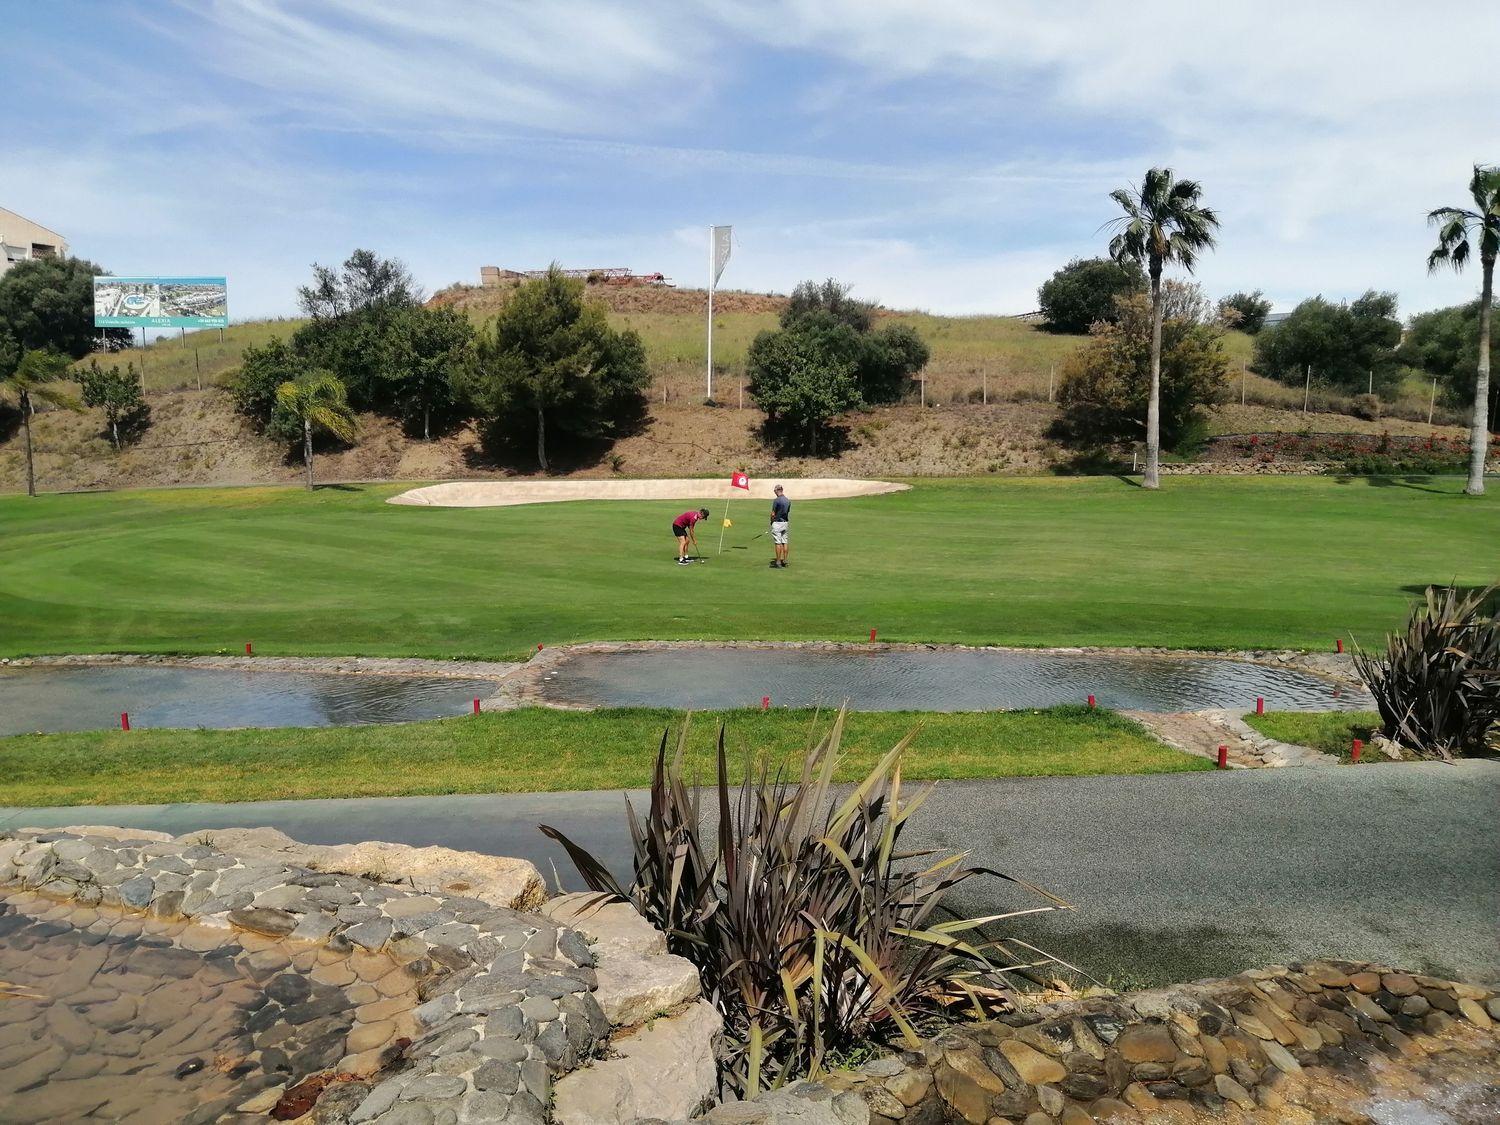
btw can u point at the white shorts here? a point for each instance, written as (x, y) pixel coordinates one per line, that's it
(778, 532)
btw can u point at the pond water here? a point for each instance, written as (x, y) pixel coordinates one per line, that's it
(931, 680)
(118, 1017)
(91, 697)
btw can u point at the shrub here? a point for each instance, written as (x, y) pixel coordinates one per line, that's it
(883, 362)
(802, 382)
(1437, 684)
(551, 369)
(1366, 406)
(253, 388)
(813, 931)
(1245, 311)
(1083, 293)
(1346, 345)
(117, 393)
(1106, 383)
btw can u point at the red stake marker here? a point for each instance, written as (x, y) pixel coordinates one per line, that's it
(1338, 644)
(1091, 703)
(765, 703)
(476, 705)
(1223, 757)
(248, 651)
(539, 646)
(872, 634)
(1260, 705)
(1354, 751)
(124, 720)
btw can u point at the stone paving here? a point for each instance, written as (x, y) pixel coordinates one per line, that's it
(128, 1017)
(503, 1001)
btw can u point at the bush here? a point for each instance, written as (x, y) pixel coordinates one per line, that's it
(1083, 293)
(1445, 343)
(1366, 406)
(552, 368)
(802, 379)
(1437, 684)
(119, 394)
(1106, 383)
(253, 387)
(883, 362)
(813, 931)
(1245, 311)
(1347, 346)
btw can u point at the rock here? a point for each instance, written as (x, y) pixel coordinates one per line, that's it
(1368, 983)
(1033, 1066)
(263, 1102)
(1399, 984)
(370, 935)
(1050, 1099)
(1215, 1054)
(968, 1099)
(1231, 1091)
(1146, 1043)
(1072, 1115)
(1493, 1008)
(264, 920)
(665, 1070)
(497, 880)
(806, 1103)
(1140, 1098)
(1474, 1012)
(1368, 1008)
(910, 1086)
(633, 989)
(616, 926)
(1107, 1110)
(1084, 1087)
(1281, 1058)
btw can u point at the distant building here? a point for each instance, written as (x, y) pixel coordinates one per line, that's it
(21, 240)
(1275, 318)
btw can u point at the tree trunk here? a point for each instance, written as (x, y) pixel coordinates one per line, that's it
(26, 425)
(114, 432)
(426, 423)
(541, 437)
(1479, 436)
(307, 451)
(1152, 478)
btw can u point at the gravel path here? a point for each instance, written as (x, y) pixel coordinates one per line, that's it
(1173, 876)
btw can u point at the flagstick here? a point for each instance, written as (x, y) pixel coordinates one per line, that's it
(711, 264)
(723, 524)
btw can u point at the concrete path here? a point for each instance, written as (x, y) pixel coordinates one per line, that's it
(1173, 876)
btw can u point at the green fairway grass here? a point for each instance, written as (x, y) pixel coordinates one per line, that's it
(537, 749)
(1206, 562)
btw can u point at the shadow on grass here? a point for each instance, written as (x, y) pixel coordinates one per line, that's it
(1415, 481)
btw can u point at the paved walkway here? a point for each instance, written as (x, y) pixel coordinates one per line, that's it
(1173, 876)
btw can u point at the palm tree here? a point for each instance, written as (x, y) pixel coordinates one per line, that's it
(1459, 231)
(31, 383)
(317, 402)
(1164, 224)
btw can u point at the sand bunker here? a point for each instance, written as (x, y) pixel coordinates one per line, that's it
(502, 493)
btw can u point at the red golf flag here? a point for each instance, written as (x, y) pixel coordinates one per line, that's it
(740, 480)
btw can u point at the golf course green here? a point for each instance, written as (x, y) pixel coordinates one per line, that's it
(1204, 563)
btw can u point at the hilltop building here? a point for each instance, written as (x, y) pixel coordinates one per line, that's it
(21, 240)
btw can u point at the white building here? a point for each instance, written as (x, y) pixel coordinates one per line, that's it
(21, 240)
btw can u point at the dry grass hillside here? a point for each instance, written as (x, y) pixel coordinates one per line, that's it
(986, 393)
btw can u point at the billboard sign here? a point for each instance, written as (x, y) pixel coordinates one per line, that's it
(161, 302)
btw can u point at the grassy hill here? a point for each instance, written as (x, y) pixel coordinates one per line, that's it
(196, 438)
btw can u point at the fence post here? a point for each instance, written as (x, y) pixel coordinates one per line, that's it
(1307, 389)
(1244, 367)
(1432, 402)
(984, 386)
(1051, 373)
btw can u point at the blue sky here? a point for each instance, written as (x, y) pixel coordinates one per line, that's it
(935, 155)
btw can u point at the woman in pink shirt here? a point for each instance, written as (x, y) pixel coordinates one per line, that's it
(682, 528)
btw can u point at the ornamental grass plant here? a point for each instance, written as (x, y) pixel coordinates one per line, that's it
(814, 933)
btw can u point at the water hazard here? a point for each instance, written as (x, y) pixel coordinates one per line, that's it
(92, 697)
(931, 680)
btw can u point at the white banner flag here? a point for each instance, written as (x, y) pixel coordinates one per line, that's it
(721, 251)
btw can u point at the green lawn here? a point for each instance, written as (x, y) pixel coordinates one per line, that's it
(538, 749)
(1206, 562)
(1332, 732)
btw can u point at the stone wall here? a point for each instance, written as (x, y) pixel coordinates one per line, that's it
(1236, 1047)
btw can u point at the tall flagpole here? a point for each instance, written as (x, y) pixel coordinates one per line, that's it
(710, 314)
